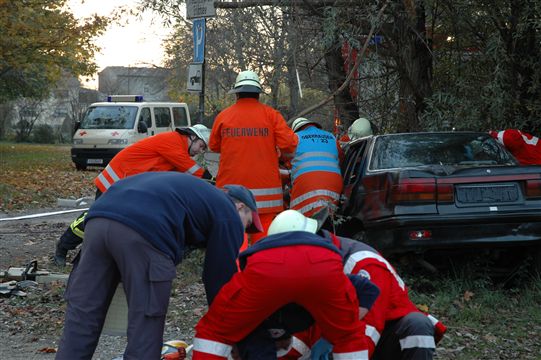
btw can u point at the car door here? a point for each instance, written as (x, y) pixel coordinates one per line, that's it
(162, 119)
(352, 170)
(145, 117)
(180, 116)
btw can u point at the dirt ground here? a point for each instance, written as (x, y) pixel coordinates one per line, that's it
(32, 325)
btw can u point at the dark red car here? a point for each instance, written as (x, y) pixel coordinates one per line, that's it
(414, 192)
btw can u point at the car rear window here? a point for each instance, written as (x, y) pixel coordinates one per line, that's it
(418, 149)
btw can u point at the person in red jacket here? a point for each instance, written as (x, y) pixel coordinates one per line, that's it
(525, 147)
(293, 267)
(247, 136)
(395, 328)
(169, 151)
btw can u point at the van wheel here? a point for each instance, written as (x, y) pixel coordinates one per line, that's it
(80, 167)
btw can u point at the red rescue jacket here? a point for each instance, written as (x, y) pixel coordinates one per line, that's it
(247, 135)
(162, 152)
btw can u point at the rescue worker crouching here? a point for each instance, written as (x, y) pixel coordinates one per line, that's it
(395, 328)
(169, 151)
(292, 267)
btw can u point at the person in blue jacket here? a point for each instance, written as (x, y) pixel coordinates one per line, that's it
(136, 233)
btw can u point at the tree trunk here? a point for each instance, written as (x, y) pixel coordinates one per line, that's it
(344, 104)
(414, 62)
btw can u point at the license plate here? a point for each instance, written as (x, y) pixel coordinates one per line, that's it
(94, 161)
(488, 194)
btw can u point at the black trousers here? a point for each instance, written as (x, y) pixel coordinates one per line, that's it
(408, 338)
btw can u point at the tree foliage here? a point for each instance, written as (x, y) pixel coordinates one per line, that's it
(469, 65)
(41, 40)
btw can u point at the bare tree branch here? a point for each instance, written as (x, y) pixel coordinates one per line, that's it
(360, 57)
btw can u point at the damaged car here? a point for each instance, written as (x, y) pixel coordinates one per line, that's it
(414, 192)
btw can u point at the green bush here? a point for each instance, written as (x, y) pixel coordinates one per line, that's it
(43, 134)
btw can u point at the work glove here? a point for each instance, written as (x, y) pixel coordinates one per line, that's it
(321, 350)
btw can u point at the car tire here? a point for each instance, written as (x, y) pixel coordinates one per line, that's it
(80, 167)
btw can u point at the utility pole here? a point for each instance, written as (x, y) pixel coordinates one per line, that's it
(199, 10)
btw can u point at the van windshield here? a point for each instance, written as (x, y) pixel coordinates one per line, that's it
(109, 117)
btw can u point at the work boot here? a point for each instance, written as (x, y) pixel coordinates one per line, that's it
(59, 257)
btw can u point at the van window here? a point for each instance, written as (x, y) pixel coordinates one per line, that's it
(145, 117)
(179, 117)
(162, 115)
(109, 117)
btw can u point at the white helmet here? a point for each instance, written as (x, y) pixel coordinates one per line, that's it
(247, 81)
(292, 220)
(300, 122)
(360, 128)
(202, 132)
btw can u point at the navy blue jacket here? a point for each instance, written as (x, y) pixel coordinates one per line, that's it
(171, 210)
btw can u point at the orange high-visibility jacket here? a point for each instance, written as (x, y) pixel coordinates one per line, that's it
(162, 152)
(247, 135)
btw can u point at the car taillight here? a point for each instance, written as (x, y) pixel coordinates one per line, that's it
(446, 193)
(533, 188)
(420, 235)
(414, 190)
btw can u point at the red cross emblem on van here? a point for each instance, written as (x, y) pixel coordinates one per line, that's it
(82, 133)
(115, 133)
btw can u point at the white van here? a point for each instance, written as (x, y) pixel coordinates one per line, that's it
(108, 127)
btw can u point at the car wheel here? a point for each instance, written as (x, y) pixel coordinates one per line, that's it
(80, 167)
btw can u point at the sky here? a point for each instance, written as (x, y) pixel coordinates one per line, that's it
(137, 43)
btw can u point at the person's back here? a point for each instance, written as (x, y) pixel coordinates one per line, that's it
(169, 151)
(247, 136)
(315, 168)
(525, 147)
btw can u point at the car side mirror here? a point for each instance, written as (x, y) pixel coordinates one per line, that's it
(76, 126)
(142, 127)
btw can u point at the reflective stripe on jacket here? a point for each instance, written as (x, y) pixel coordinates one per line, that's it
(525, 147)
(315, 171)
(162, 152)
(393, 301)
(247, 135)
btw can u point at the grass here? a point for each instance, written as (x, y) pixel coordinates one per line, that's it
(486, 318)
(35, 176)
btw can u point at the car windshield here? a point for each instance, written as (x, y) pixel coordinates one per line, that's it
(419, 149)
(109, 117)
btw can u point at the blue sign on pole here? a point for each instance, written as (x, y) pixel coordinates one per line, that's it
(199, 40)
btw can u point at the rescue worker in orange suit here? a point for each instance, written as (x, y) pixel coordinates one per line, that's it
(276, 331)
(315, 168)
(247, 135)
(395, 328)
(292, 267)
(136, 233)
(169, 151)
(525, 147)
